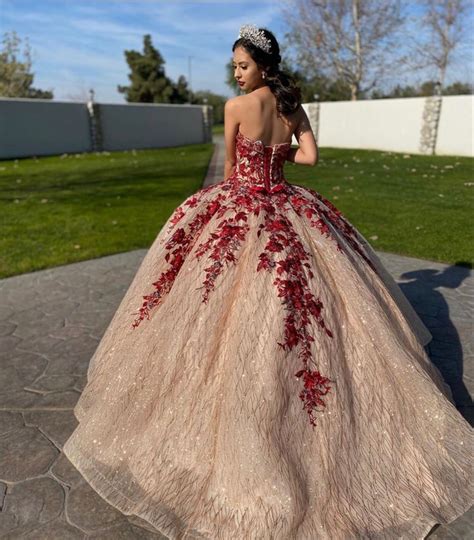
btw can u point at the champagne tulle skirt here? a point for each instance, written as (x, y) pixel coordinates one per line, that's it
(193, 421)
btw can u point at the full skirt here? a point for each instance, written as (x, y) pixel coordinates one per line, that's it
(194, 420)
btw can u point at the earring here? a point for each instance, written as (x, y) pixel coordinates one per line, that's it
(263, 74)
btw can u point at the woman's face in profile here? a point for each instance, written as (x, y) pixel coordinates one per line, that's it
(246, 72)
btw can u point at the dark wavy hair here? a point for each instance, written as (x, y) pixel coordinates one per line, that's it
(282, 84)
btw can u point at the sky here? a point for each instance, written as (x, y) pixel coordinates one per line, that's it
(79, 44)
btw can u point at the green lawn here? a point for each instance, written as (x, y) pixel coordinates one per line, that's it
(58, 210)
(218, 129)
(420, 206)
(61, 210)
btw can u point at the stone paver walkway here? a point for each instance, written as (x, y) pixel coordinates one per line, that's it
(51, 322)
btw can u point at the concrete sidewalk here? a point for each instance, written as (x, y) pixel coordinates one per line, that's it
(51, 322)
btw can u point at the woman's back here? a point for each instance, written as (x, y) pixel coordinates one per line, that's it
(259, 119)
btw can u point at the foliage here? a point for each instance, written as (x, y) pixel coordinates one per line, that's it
(16, 78)
(209, 98)
(149, 83)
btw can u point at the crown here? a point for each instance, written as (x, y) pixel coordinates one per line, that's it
(255, 36)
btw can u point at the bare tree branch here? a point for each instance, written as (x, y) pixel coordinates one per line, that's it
(444, 29)
(348, 39)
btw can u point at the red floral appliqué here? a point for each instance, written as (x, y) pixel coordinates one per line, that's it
(230, 233)
(182, 241)
(293, 272)
(258, 185)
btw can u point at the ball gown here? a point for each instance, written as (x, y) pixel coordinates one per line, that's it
(264, 377)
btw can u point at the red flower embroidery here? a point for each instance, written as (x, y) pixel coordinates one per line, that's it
(183, 242)
(293, 272)
(258, 185)
(323, 207)
(224, 242)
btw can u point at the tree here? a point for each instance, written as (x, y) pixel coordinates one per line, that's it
(444, 23)
(318, 87)
(181, 92)
(397, 92)
(457, 88)
(348, 41)
(149, 83)
(15, 75)
(217, 102)
(426, 88)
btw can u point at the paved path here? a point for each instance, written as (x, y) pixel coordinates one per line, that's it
(51, 321)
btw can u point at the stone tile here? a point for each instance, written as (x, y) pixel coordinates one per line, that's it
(461, 528)
(10, 421)
(127, 531)
(77, 347)
(6, 311)
(25, 453)
(17, 400)
(41, 344)
(65, 471)
(57, 529)
(56, 425)
(9, 342)
(88, 511)
(53, 383)
(75, 365)
(70, 332)
(29, 504)
(20, 370)
(7, 328)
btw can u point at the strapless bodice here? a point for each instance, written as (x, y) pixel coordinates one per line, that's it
(259, 164)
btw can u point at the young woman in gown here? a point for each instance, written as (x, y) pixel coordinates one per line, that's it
(264, 377)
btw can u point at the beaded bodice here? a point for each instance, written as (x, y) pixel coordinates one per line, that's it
(259, 164)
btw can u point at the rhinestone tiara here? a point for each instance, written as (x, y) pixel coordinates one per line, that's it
(255, 36)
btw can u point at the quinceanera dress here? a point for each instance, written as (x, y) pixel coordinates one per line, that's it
(264, 377)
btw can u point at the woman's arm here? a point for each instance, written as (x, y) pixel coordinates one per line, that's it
(231, 127)
(307, 152)
(228, 169)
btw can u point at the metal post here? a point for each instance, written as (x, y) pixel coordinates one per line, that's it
(95, 128)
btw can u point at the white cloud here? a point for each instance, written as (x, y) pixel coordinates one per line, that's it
(85, 41)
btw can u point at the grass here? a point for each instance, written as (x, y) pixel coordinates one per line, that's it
(414, 205)
(58, 210)
(62, 209)
(218, 129)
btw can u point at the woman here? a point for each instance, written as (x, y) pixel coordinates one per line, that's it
(273, 383)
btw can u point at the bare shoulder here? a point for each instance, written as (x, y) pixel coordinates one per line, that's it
(233, 104)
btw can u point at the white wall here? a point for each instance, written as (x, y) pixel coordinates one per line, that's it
(382, 124)
(393, 124)
(455, 129)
